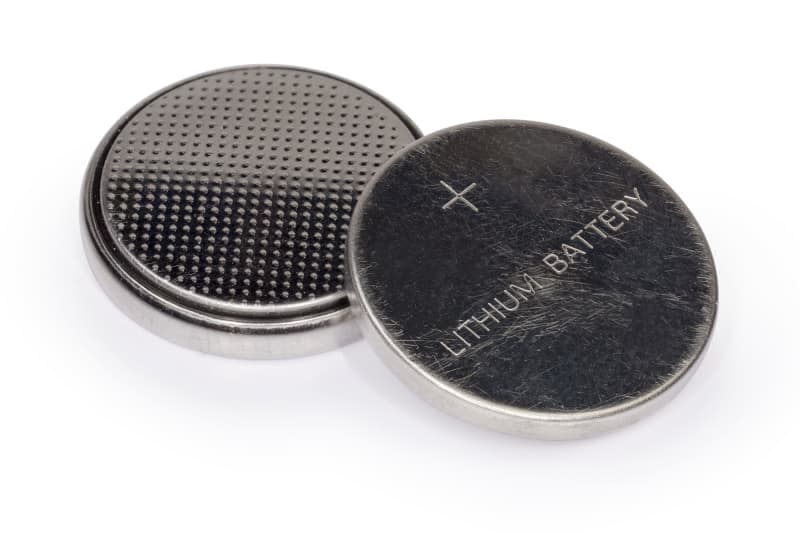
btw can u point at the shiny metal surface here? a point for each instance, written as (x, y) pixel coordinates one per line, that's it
(531, 279)
(215, 212)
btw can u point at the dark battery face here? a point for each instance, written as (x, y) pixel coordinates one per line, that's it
(531, 278)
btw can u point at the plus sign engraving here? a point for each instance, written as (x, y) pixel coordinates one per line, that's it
(459, 196)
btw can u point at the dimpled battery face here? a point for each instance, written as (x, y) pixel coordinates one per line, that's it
(531, 279)
(224, 201)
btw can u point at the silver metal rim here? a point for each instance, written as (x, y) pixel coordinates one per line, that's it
(215, 334)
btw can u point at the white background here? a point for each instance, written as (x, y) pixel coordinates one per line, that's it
(106, 427)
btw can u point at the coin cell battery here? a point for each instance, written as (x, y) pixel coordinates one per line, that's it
(215, 212)
(531, 279)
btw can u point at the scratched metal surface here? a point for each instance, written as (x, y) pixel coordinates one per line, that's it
(632, 312)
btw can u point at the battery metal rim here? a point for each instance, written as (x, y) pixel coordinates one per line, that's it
(237, 337)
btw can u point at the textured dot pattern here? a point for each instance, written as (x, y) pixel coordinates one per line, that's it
(239, 185)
